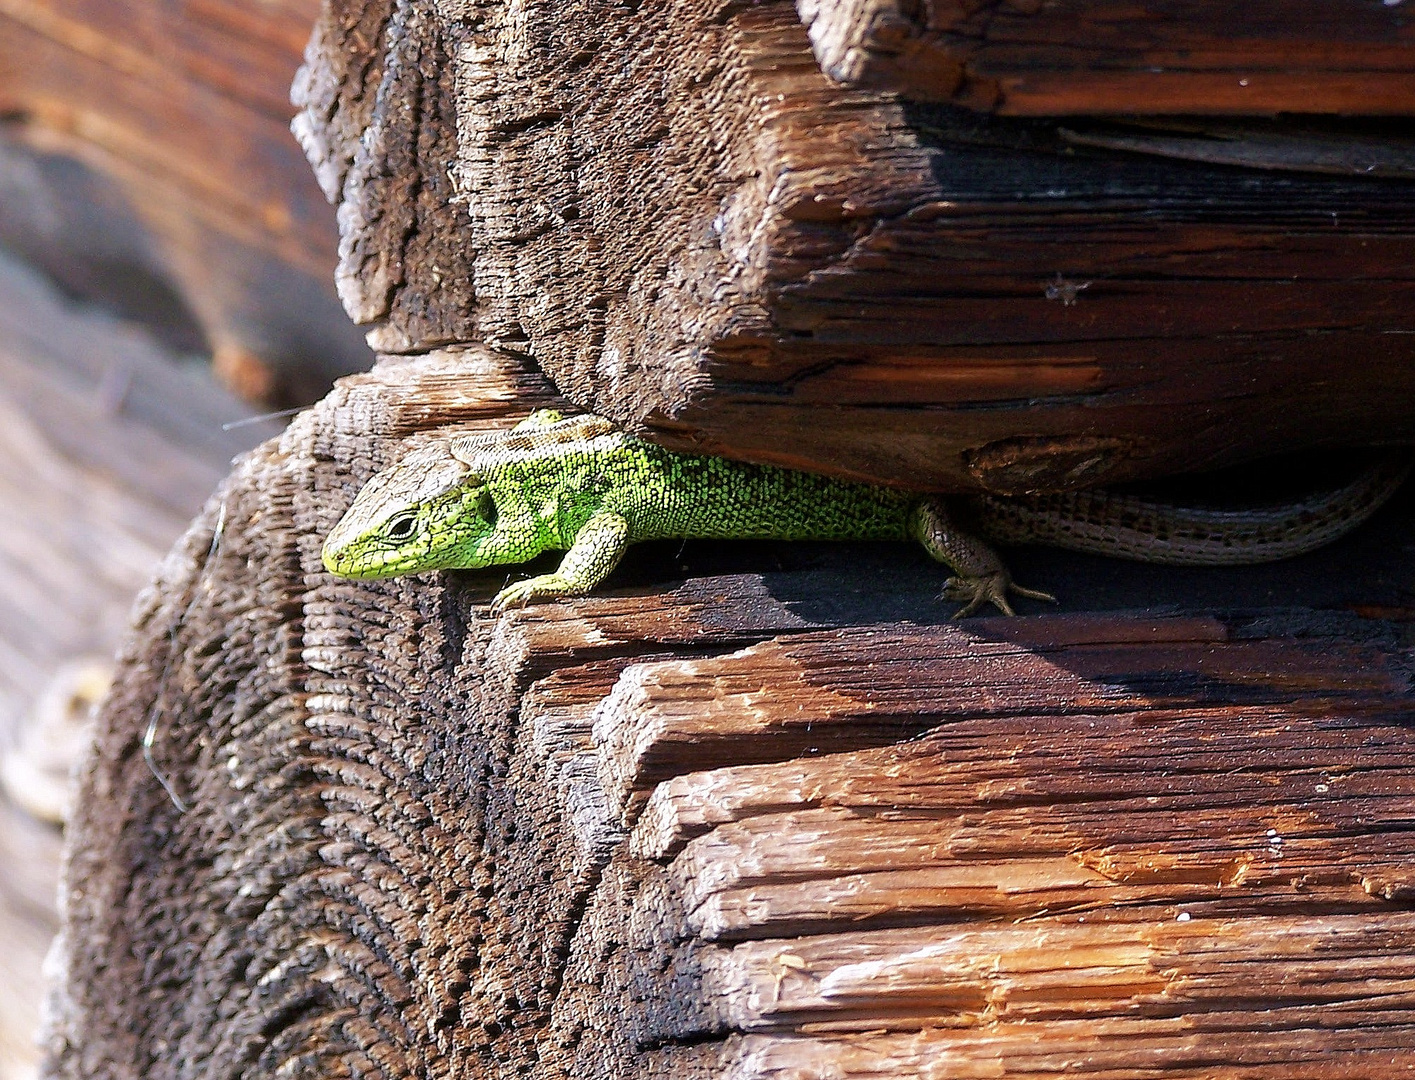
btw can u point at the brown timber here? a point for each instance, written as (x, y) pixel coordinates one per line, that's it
(1025, 57)
(720, 821)
(149, 143)
(688, 227)
(758, 810)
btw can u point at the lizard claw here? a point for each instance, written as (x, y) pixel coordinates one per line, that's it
(534, 588)
(992, 588)
(513, 596)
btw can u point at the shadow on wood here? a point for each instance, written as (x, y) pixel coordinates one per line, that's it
(723, 825)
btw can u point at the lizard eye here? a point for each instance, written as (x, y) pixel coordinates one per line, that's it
(401, 528)
(486, 507)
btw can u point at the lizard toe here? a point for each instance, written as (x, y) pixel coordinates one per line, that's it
(520, 594)
(511, 597)
(976, 590)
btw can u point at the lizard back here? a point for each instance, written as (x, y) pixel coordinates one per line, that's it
(566, 471)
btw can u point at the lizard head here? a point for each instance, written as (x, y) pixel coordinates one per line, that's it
(427, 512)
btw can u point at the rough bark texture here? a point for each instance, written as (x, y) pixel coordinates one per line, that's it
(723, 823)
(1173, 56)
(147, 161)
(688, 227)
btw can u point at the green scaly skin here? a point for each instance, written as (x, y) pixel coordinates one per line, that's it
(581, 486)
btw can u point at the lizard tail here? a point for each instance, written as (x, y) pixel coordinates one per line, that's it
(1127, 526)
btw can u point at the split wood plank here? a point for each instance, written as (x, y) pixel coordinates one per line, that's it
(864, 686)
(691, 230)
(1186, 57)
(1195, 849)
(1339, 972)
(937, 1055)
(405, 853)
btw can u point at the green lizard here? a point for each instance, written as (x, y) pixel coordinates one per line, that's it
(582, 486)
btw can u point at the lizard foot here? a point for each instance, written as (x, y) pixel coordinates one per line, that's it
(975, 591)
(536, 588)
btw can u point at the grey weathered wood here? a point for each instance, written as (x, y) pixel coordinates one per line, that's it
(107, 446)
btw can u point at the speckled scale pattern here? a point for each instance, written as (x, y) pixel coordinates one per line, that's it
(1131, 527)
(567, 471)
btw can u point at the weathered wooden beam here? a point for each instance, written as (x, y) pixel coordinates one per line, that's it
(181, 113)
(714, 706)
(1164, 56)
(687, 227)
(671, 829)
(107, 446)
(1030, 884)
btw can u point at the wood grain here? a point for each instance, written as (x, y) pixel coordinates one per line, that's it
(684, 224)
(713, 823)
(1191, 57)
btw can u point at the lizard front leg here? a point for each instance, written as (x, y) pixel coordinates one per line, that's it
(982, 576)
(598, 547)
